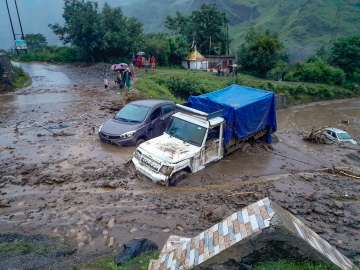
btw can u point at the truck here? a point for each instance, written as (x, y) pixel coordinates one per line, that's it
(204, 130)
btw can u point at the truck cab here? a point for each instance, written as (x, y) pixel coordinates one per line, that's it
(192, 140)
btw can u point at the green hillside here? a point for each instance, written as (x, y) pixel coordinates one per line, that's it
(303, 25)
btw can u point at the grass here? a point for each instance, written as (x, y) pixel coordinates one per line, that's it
(142, 262)
(107, 263)
(292, 265)
(22, 79)
(156, 85)
(17, 247)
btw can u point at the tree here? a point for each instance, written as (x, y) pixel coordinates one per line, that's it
(179, 48)
(35, 41)
(121, 35)
(345, 53)
(206, 27)
(260, 53)
(158, 45)
(82, 27)
(99, 35)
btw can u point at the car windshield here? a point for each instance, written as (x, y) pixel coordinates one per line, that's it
(132, 113)
(344, 136)
(186, 131)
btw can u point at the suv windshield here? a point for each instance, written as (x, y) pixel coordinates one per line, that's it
(344, 136)
(186, 131)
(132, 113)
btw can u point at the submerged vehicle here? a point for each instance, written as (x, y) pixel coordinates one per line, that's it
(338, 135)
(137, 122)
(206, 129)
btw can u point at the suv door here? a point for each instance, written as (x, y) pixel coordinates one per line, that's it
(212, 144)
(155, 123)
(167, 111)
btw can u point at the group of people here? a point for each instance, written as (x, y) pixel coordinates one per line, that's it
(125, 74)
(140, 61)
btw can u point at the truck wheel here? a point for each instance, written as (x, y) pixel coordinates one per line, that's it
(177, 177)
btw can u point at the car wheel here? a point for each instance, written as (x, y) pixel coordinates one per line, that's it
(177, 177)
(139, 141)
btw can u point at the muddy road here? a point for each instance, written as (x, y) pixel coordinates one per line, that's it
(58, 180)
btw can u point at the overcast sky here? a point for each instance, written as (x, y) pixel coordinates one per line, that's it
(36, 15)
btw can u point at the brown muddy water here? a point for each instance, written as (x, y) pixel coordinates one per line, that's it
(78, 190)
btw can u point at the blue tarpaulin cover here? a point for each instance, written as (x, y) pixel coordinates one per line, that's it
(246, 110)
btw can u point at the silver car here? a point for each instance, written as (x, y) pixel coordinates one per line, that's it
(137, 122)
(339, 135)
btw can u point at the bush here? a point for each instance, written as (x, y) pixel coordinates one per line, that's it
(183, 87)
(50, 54)
(318, 72)
(355, 77)
(279, 72)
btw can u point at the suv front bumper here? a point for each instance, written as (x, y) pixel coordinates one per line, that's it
(118, 141)
(154, 176)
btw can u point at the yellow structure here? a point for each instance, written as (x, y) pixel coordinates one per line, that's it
(195, 60)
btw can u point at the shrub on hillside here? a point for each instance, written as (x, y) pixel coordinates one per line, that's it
(279, 72)
(183, 87)
(316, 71)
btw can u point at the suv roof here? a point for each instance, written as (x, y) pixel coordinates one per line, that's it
(336, 130)
(152, 102)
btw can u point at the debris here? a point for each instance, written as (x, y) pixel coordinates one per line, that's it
(111, 223)
(318, 136)
(344, 172)
(4, 204)
(133, 249)
(6, 148)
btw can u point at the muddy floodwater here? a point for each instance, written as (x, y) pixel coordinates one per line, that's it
(57, 179)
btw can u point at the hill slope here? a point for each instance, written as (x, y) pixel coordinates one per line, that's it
(303, 25)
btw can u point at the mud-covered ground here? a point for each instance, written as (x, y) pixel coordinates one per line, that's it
(58, 180)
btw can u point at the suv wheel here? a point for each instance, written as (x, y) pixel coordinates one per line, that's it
(139, 141)
(177, 177)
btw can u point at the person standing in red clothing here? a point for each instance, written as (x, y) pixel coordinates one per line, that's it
(153, 63)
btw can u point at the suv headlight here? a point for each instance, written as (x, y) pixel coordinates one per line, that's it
(137, 155)
(127, 135)
(100, 128)
(166, 170)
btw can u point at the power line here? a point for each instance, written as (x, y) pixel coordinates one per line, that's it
(11, 22)
(17, 11)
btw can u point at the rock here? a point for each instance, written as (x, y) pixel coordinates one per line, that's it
(133, 230)
(111, 242)
(133, 249)
(106, 184)
(8, 179)
(111, 223)
(216, 215)
(319, 210)
(339, 205)
(4, 204)
(166, 230)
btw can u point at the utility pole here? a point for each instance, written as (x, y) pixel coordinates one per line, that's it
(17, 12)
(11, 23)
